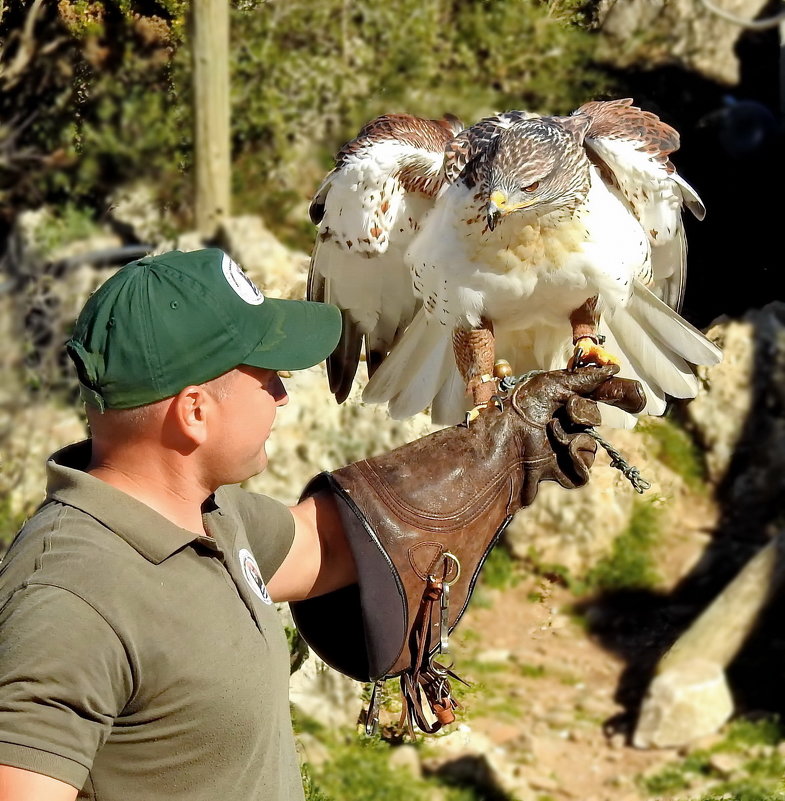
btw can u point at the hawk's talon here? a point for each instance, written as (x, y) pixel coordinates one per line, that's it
(495, 402)
(472, 414)
(575, 362)
(589, 351)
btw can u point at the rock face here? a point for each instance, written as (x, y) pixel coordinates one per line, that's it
(653, 33)
(574, 527)
(739, 419)
(690, 698)
(324, 695)
(470, 758)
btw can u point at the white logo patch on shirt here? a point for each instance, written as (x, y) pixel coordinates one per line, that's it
(253, 575)
(240, 282)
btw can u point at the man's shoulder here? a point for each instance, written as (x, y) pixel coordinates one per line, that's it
(267, 525)
(62, 546)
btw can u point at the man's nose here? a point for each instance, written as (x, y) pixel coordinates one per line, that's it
(279, 391)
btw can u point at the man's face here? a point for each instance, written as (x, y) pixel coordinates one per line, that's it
(245, 418)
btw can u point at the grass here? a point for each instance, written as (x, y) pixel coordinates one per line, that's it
(674, 447)
(58, 227)
(744, 792)
(359, 770)
(630, 564)
(760, 772)
(500, 571)
(532, 671)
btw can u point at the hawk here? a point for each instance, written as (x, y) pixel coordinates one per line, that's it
(548, 241)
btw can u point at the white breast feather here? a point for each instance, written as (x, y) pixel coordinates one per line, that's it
(529, 271)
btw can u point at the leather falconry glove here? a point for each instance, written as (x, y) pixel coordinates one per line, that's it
(422, 519)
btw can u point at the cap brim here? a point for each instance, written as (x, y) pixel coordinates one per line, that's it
(300, 334)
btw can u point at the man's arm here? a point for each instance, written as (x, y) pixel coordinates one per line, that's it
(320, 559)
(17, 784)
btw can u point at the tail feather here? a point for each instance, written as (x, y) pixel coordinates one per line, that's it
(653, 361)
(415, 370)
(616, 418)
(671, 328)
(630, 368)
(449, 405)
(658, 348)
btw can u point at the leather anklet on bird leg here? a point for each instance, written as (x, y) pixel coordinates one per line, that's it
(475, 351)
(585, 339)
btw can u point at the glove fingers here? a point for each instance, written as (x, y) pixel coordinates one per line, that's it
(621, 392)
(574, 456)
(582, 449)
(561, 384)
(583, 411)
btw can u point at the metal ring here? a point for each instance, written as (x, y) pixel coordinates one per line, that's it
(452, 556)
(442, 670)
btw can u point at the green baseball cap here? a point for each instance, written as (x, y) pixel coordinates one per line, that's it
(162, 323)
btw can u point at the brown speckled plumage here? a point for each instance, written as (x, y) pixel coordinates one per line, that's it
(620, 119)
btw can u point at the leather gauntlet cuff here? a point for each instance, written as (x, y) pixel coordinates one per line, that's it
(369, 630)
(352, 629)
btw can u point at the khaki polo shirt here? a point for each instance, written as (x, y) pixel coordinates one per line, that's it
(139, 660)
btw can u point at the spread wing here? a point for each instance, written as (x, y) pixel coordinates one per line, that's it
(631, 148)
(368, 209)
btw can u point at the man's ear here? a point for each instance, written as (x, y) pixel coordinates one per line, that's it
(188, 414)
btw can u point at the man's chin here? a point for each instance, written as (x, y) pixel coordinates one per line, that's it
(252, 470)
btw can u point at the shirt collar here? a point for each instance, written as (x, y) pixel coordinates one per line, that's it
(150, 533)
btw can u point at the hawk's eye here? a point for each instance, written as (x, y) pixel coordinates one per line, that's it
(531, 187)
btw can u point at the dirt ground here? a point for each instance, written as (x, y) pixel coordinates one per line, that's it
(558, 681)
(547, 694)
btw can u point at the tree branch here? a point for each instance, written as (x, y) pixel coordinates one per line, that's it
(750, 24)
(26, 51)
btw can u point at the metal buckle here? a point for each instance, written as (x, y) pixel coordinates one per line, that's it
(445, 665)
(372, 715)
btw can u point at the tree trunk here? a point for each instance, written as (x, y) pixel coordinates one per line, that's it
(210, 58)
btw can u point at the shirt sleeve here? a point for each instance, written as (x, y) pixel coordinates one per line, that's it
(268, 524)
(64, 678)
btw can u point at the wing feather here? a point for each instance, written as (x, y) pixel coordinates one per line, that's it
(632, 148)
(368, 208)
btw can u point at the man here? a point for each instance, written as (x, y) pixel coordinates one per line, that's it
(141, 654)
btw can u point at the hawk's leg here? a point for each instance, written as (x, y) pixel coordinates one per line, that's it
(475, 352)
(585, 339)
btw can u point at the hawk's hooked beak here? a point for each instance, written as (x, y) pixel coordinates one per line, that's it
(497, 207)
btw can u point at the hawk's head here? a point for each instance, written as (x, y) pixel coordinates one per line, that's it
(537, 166)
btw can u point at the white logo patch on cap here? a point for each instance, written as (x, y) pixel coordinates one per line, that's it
(253, 575)
(240, 282)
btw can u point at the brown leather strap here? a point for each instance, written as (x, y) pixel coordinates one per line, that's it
(427, 678)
